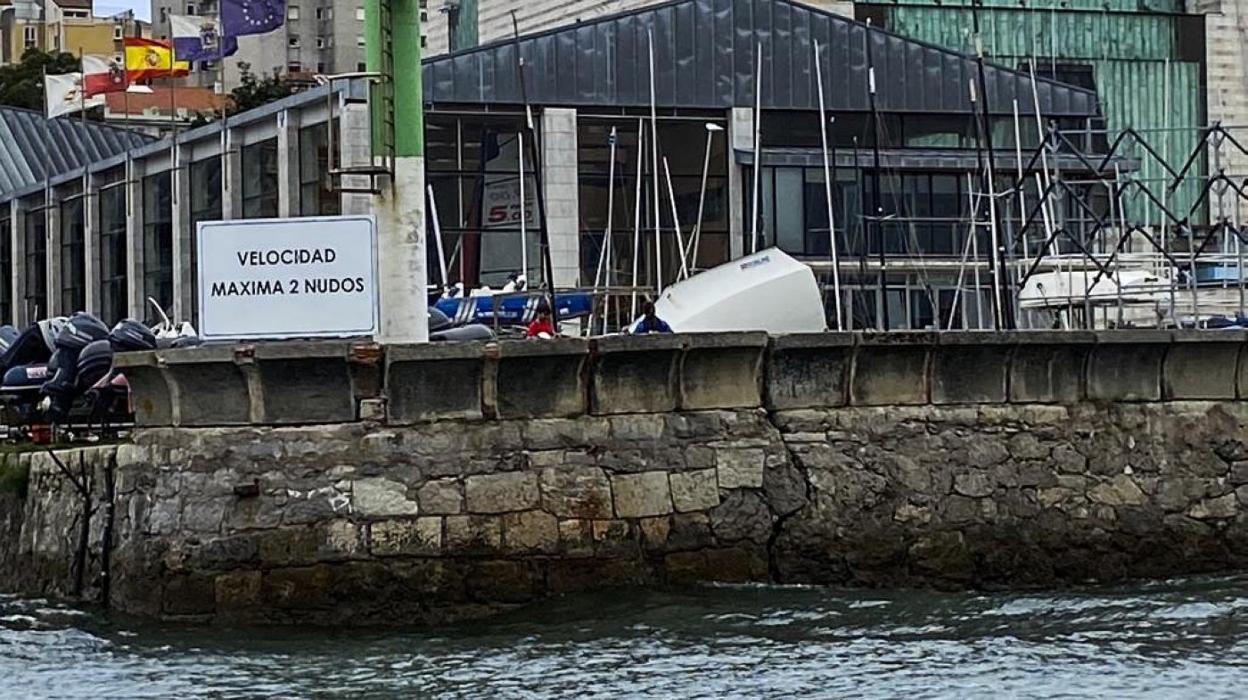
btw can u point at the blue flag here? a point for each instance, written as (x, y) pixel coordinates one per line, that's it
(197, 38)
(239, 17)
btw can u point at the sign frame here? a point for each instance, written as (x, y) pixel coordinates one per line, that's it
(374, 296)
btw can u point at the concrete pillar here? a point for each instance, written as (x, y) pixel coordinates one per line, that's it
(91, 243)
(560, 188)
(740, 137)
(400, 209)
(354, 149)
(288, 163)
(52, 260)
(134, 241)
(17, 241)
(183, 236)
(232, 175)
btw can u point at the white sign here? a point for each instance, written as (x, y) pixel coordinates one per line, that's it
(288, 278)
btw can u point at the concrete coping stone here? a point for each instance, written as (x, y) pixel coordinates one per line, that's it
(436, 351)
(1211, 336)
(140, 358)
(298, 350)
(895, 338)
(804, 341)
(975, 338)
(637, 343)
(1133, 336)
(203, 354)
(1047, 337)
(536, 348)
(738, 339)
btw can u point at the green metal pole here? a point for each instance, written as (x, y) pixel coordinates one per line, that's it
(409, 118)
(372, 56)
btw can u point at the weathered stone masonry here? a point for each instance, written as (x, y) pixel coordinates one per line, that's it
(861, 460)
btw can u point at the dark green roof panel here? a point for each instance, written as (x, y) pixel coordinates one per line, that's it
(705, 53)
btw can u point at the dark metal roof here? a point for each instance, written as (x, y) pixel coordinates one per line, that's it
(705, 58)
(33, 148)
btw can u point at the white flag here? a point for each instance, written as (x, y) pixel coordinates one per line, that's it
(63, 95)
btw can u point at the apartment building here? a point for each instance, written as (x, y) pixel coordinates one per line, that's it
(320, 36)
(62, 25)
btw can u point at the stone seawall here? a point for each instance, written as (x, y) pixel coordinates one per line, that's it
(366, 523)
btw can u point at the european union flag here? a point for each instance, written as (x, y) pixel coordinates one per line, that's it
(239, 17)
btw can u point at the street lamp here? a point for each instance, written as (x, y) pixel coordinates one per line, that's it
(694, 240)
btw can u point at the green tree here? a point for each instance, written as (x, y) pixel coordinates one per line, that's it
(254, 91)
(21, 84)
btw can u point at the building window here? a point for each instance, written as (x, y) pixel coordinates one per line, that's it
(6, 267)
(28, 35)
(119, 32)
(190, 8)
(205, 176)
(73, 252)
(359, 13)
(359, 40)
(35, 292)
(260, 179)
(114, 301)
(294, 67)
(473, 167)
(424, 41)
(324, 13)
(316, 192)
(292, 12)
(324, 42)
(293, 41)
(158, 239)
(164, 14)
(361, 67)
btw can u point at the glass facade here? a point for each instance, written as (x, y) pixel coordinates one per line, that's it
(158, 239)
(114, 299)
(205, 181)
(259, 163)
(685, 146)
(6, 270)
(473, 165)
(73, 273)
(316, 192)
(35, 240)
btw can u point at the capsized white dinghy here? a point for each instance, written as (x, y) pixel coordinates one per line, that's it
(767, 291)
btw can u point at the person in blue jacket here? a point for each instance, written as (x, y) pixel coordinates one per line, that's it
(651, 323)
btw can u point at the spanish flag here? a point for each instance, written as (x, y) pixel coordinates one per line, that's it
(147, 59)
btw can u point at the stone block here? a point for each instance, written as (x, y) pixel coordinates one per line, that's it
(654, 532)
(411, 537)
(441, 497)
(189, 594)
(289, 546)
(722, 370)
(1118, 491)
(976, 484)
(473, 534)
(809, 370)
(302, 588)
(434, 381)
(576, 492)
(530, 531)
(544, 379)
(1049, 367)
(890, 369)
(1126, 365)
(694, 491)
(378, 497)
(739, 468)
(305, 382)
(203, 515)
(970, 368)
(501, 493)
(613, 538)
(342, 539)
(236, 591)
(635, 374)
(1202, 365)
(641, 495)
(576, 538)
(1221, 507)
(149, 389)
(207, 386)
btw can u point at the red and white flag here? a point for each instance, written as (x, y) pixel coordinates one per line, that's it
(102, 74)
(63, 94)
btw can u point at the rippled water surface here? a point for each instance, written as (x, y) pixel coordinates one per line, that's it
(1163, 640)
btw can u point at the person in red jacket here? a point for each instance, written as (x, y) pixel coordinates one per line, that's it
(542, 326)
